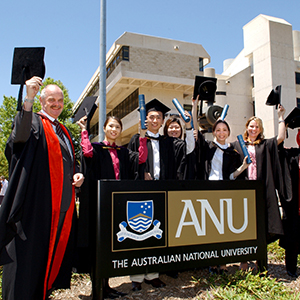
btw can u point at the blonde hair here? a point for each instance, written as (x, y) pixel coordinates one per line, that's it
(260, 136)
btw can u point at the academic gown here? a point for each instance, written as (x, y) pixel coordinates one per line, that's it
(291, 222)
(98, 167)
(269, 171)
(26, 236)
(206, 151)
(172, 157)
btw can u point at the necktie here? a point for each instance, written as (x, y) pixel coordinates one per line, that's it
(59, 131)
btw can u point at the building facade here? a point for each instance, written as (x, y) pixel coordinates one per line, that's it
(165, 69)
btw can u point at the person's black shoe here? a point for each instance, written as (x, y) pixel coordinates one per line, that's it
(110, 296)
(112, 293)
(136, 286)
(292, 274)
(156, 282)
(223, 271)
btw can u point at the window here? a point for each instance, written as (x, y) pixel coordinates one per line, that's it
(94, 130)
(187, 107)
(123, 54)
(297, 77)
(253, 104)
(125, 50)
(126, 106)
(200, 64)
(298, 102)
(221, 93)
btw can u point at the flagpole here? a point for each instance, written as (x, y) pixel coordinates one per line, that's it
(97, 280)
(102, 73)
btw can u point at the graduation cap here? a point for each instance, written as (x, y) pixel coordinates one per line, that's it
(274, 96)
(205, 87)
(27, 62)
(293, 119)
(156, 105)
(87, 108)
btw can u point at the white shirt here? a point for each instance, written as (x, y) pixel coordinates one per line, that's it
(156, 156)
(4, 187)
(216, 172)
(190, 141)
(67, 142)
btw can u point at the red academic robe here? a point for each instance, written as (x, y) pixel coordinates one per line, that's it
(33, 251)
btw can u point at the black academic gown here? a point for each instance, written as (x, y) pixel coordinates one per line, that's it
(269, 171)
(98, 167)
(25, 219)
(172, 157)
(291, 224)
(205, 153)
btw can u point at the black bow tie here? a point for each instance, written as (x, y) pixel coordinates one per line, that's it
(153, 137)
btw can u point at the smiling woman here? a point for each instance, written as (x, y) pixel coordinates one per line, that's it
(112, 129)
(265, 167)
(103, 160)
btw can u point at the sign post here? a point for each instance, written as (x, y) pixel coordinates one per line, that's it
(150, 226)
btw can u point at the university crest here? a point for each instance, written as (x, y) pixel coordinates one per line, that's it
(139, 219)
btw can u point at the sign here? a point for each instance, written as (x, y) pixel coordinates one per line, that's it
(158, 226)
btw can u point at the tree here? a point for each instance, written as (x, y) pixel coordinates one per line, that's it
(8, 112)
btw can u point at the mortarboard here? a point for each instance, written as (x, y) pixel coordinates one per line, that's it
(27, 62)
(293, 119)
(87, 108)
(156, 105)
(274, 96)
(205, 87)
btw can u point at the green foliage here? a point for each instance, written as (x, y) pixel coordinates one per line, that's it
(246, 286)
(7, 114)
(1, 269)
(275, 252)
(3, 164)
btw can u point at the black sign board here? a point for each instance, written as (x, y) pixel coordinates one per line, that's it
(159, 226)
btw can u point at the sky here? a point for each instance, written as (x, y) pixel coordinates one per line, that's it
(70, 31)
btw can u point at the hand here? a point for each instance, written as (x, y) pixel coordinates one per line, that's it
(78, 179)
(241, 168)
(195, 101)
(148, 176)
(142, 131)
(280, 112)
(82, 123)
(245, 165)
(187, 114)
(32, 86)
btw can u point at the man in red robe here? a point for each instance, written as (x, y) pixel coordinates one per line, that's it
(37, 216)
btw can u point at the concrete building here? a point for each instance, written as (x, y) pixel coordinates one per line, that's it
(165, 69)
